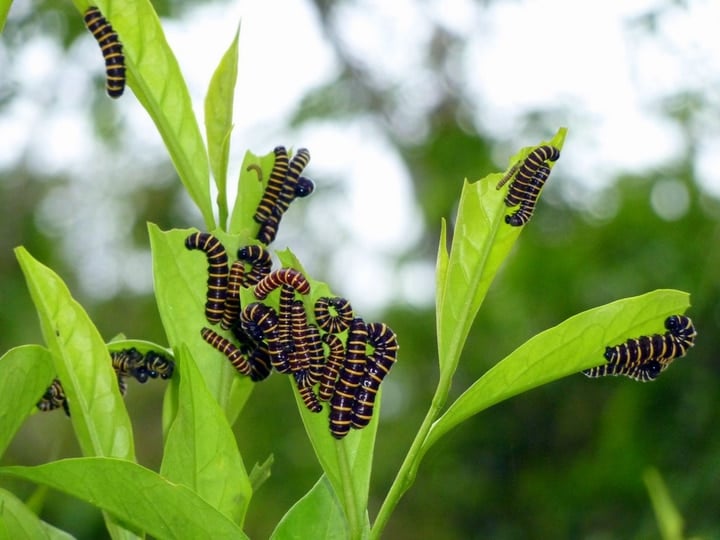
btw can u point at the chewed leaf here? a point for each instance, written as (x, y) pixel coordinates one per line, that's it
(573, 345)
(260, 473)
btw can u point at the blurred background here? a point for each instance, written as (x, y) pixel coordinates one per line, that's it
(398, 103)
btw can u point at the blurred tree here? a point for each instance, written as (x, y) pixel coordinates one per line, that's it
(563, 461)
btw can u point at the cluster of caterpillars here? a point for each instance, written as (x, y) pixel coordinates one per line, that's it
(126, 363)
(339, 358)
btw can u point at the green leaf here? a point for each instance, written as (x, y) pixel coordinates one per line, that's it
(82, 363)
(254, 176)
(180, 277)
(219, 121)
(481, 242)
(200, 447)
(154, 76)
(670, 522)
(17, 521)
(577, 343)
(25, 374)
(317, 515)
(347, 463)
(133, 494)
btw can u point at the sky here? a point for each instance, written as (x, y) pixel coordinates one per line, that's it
(591, 58)
(613, 76)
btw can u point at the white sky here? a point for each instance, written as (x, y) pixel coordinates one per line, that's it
(519, 56)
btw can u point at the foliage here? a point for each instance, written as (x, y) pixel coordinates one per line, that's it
(203, 483)
(669, 519)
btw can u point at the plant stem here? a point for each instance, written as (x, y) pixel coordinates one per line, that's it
(351, 510)
(406, 475)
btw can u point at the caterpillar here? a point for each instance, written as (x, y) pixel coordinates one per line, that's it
(528, 179)
(341, 410)
(274, 187)
(217, 273)
(383, 339)
(129, 363)
(682, 329)
(285, 302)
(355, 356)
(530, 192)
(304, 187)
(235, 354)
(381, 335)
(638, 350)
(122, 385)
(315, 353)
(329, 323)
(257, 354)
(646, 372)
(308, 396)
(642, 372)
(258, 170)
(529, 166)
(111, 49)
(259, 260)
(349, 378)
(268, 230)
(231, 311)
(290, 185)
(158, 365)
(300, 356)
(276, 278)
(54, 398)
(332, 366)
(260, 362)
(260, 322)
(644, 358)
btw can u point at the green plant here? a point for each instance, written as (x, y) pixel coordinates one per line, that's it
(203, 484)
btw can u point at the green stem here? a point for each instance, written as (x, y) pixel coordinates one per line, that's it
(351, 510)
(408, 470)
